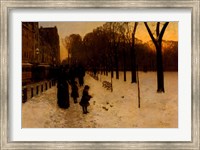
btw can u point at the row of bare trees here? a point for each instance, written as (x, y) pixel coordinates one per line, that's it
(114, 47)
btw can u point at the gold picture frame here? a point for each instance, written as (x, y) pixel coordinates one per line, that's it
(6, 6)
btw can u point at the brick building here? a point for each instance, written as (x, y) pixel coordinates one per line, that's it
(40, 51)
(30, 34)
(29, 41)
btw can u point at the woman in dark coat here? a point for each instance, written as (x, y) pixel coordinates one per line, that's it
(74, 93)
(85, 99)
(81, 74)
(63, 89)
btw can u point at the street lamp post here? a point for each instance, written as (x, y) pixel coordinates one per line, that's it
(54, 61)
(35, 70)
(37, 53)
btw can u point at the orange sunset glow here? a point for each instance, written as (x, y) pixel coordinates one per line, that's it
(82, 28)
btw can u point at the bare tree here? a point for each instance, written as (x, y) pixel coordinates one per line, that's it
(158, 44)
(116, 41)
(126, 39)
(125, 26)
(133, 57)
(73, 44)
(114, 30)
(66, 43)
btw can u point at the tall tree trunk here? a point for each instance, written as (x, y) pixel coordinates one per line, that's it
(111, 66)
(124, 54)
(158, 44)
(160, 75)
(106, 66)
(117, 67)
(133, 65)
(116, 62)
(111, 50)
(133, 57)
(112, 72)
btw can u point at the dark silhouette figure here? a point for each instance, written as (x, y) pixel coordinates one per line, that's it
(72, 74)
(74, 93)
(85, 99)
(81, 74)
(94, 71)
(63, 89)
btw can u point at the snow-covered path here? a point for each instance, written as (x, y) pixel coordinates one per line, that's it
(117, 109)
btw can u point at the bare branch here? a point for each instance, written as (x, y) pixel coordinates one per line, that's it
(134, 31)
(135, 27)
(162, 31)
(150, 33)
(158, 29)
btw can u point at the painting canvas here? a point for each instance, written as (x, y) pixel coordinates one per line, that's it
(99, 74)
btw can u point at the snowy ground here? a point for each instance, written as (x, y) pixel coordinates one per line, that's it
(117, 109)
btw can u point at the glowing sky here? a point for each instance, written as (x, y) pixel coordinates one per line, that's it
(82, 28)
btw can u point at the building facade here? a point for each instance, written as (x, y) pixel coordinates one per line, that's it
(29, 41)
(49, 46)
(30, 34)
(40, 51)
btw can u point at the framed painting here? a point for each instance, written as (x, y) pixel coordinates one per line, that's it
(100, 74)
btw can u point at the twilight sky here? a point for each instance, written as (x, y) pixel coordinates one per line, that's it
(82, 28)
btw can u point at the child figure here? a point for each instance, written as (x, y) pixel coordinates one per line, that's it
(85, 99)
(74, 93)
